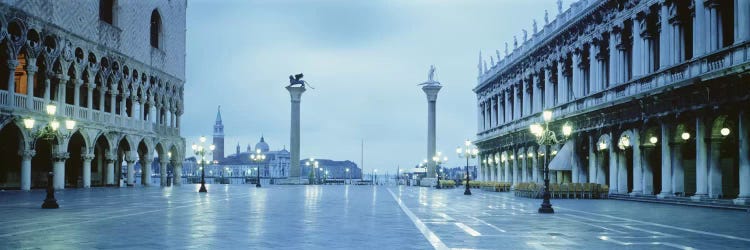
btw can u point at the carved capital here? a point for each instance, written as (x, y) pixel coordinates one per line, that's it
(12, 64)
(87, 157)
(60, 156)
(27, 154)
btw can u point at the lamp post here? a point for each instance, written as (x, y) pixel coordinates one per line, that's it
(347, 176)
(374, 176)
(469, 152)
(258, 157)
(546, 137)
(314, 164)
(438, 159)
(50, 132)
(201, 152)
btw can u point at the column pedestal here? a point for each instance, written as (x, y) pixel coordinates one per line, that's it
(177, 173)
(87, 169)
(163, 173)
(146, 172)
(744, 155)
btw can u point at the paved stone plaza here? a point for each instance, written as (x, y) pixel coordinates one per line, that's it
(346, 217)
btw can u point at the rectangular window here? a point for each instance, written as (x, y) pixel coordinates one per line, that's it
(106, 11)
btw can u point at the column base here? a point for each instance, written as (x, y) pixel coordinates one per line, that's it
(635, 193)
(664, 195)
(699, 197)
(742, 201)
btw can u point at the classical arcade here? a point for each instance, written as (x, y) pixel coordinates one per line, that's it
(657, 93)
(126, 111)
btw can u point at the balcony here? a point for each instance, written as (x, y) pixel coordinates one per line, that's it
(84, 115)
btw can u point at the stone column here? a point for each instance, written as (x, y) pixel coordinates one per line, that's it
(594, 81)
(714, 171)
(526, 89)
(516, 175)
(701, 160)
(111, 170)
(507, 170)
(577, 74)
(524, 171)
(635, 141)
(613, 59)
(622, 173)
(26, 157)
(744, 160)
(601, 177)
(535, 167)
(678, 39)
(86, 169)
(146, 170)
(678, 171)
(517, 101)
(562, 83)
(592, 160)
(741, 21)
(699, 29)
(178, 172)
(296, 96)
(715, 33)
(77, 94)
(61, 91)
(12, 64)
(613, 167)
(648, 177)
(508, 107)
(666, 162)
(549, 98)
(102, 93)
(536, 85)
(47, 88)
(58, 167)
(664, 37)
(123, 103)
(163, 172)
(130, 160)
(30, 71)
(635, 66)
(113, 99)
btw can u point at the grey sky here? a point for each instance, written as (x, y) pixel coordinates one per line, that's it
(364, 59)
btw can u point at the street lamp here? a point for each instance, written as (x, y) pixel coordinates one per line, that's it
(438, 159)
(348, 176)
(469, 152)
(201, 152)
(312, 162)
(49, 132)
(258, 157)
(546, 137)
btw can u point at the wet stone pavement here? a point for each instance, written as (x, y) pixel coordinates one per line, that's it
(352, 217)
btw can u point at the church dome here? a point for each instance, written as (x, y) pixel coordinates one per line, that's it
(262, 145)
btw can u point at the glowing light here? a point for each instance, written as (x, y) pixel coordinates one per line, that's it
(685, 135)
(725, 131)
(602, 145)
(567, 130)
(55, 124)
(70, 124)
(28, 123)
(547, 115)
(51, 109)
(653, 140)
(203, 139)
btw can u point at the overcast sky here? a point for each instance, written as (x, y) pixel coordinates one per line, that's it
(364, 58)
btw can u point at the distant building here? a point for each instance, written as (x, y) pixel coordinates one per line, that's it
(336, 169)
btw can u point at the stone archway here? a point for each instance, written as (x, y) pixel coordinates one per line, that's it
(10, 169)
(102, 166)
(73, 165)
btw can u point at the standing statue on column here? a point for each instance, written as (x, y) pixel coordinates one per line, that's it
(431, 74)
(546, 17)
(515, 43)
(525, 34)
(533, 25)
(506, 48)
(559, 7)
(497, 51)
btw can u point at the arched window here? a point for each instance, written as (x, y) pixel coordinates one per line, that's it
(155, 28)
(107, 11)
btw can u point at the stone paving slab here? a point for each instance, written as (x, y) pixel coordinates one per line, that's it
(352, 217)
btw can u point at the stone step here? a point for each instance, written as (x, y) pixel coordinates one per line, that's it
(685, 201)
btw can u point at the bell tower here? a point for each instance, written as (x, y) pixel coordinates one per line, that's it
(218, 138)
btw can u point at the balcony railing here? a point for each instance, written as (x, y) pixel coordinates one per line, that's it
(642, 85)
(83, 114)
